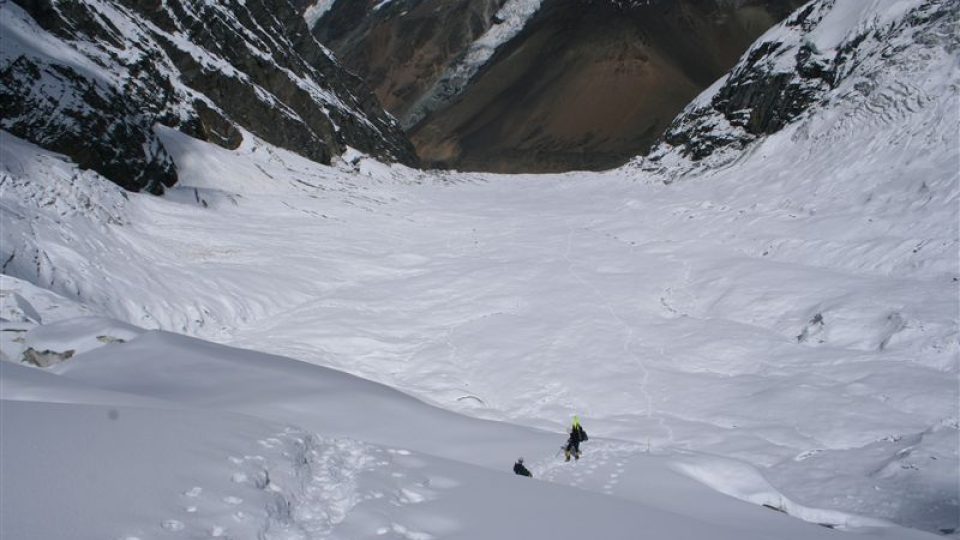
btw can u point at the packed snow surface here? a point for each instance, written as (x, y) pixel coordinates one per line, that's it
(783, 330)
(168, 436)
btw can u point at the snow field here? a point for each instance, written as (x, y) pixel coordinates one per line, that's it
(114, 450)
(288, 485)
(444, 291)
(679, 317)
(783, 329)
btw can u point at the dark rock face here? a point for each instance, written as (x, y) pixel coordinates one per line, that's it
(99, 128)
(584, 84)
(757, 98)
(781, 78)
(90, 78)
(403, 48)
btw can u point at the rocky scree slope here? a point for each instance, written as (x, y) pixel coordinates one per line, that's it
(91, 78)
(540, 85)
(807, 63)
(408, 50)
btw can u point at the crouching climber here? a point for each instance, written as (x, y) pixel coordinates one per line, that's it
(519, 468)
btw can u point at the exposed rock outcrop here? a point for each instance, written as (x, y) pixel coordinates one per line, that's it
(541, 85)
(91, 78)
(46, 358)
(805, 61)
(403, 49)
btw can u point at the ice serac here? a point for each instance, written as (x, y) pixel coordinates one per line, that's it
(541, 85)
(826, 53)
(90, 79)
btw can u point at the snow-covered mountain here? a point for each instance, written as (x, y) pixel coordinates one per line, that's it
(429, 51)
(90, 79)
(865, 59)
(539, 85)
(774, 323)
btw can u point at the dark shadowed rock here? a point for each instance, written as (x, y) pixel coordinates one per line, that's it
(63, 110)
(784, 75)
(580, 84)
(46, 358)
(403, 48)
(91, 78)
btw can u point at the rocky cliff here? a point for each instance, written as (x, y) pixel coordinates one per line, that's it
(91, 78)
(828, 51)
(416, 54)
(540, 85)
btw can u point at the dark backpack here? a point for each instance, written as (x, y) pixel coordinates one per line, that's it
(518, 468)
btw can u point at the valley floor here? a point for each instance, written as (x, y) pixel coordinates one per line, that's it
(783, 328)
(285, 350)
(796, 341)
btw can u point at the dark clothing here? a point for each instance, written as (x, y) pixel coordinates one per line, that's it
(577, 435)
(518, 468)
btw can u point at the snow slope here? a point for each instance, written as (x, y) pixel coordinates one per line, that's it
(112, 463)
(782, 329)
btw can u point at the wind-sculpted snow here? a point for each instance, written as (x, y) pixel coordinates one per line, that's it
(783, 329)
(122, 443)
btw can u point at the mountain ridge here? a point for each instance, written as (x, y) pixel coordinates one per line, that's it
(206, 69)
(797, 66)
(531, 86)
